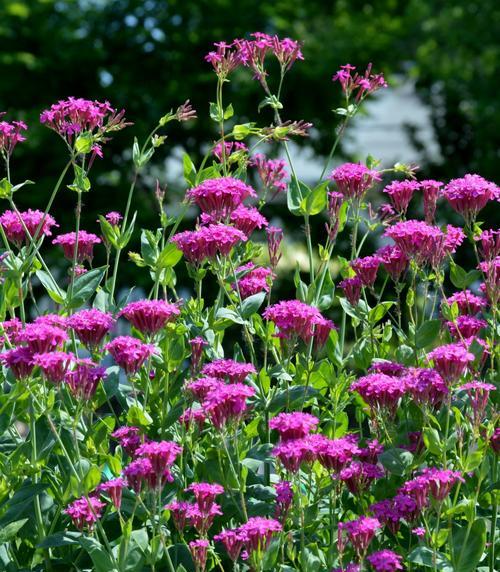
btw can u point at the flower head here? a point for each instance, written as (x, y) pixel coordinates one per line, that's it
(380, 391)
(335, 454)
(274, 238)
(272, 173)
(295, 452)
(467, 302)
(85, 512)
(227, 403)
(113, 218)
(83, 380)
(431, 191)
(352, 289)
(247, 219)
(466, 326)
(130, 353)
(230, 150)
(19, 227)
(284, 499)
(385, 561)
(10, 135)
(256, 279)
(208, 241)
(20, 361)
(54, 365)
(162, 454)
(42, 338)
(366, 268)
(113, 488)
(353, 180)
(489, 243)
(197, 344)
(360, 532)
(150, 316)
(451, 361)
(258, 533)
(228, 369)
(359, 85)
(91, 326)
(205, 494)
(178, 511)
(478, 393)
(401, 193)
(199, 552)
(470, 194)
(129, 438)
(359, 475)
(294, 425)
(233, 541)
(85, 249)
(415, 239)
(426, 386)
(220, 197)
(394, 261)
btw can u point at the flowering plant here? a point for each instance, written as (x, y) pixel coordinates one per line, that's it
(349, 428)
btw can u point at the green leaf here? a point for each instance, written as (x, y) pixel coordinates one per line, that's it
(229, 111)
(317, 199)
(424, 556)
(9, 532)
(101, 559)
(468, 544)
(427, 333)
(81, 183)
(216, 114)
(83, 143)
(52, 288)
(85, 286)
(271, 555)
(189, 169)
(138, 416)
(296, 194)
(5, 188)
(125, 237)
(450, 312)
(168, 257)
(60, 539)
(251, 305)
(396, 461)
(377, 313)
(292, 397)
(242, 131)
(462, 279)
(432, 440)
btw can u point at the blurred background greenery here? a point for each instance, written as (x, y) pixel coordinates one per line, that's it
(440, 57)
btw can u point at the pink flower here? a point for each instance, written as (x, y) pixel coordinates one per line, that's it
(190, 416)
(401, 193)
(227, 403)
(42, 338)
(129, 438)
(451, 361)
(85, 512)
(140, 473)
(230, 148)
(284, 499)
(335, 201)
(71, 117)
(272, 173)
(293, 453)
(220, 197)
(233, 541)
(200, 388)
(294, 425)
(353, 180)
(358, 476)
(224, 59)
(162, 454)
(228, 369)
(199, 552)
(366, 268)
(202, 520)
(208, 241)
(466, 326)
(491, 271)
(247, 219)
(205, 494)
(431, 191)
(467, 302)
(256, 279)
(20, 361)
(10, 135)
(274, 238)
(297, 319)
(129, 353)
(352, 289)
(113, 488)
(385, 561)
(91, 326)
(387, 367)
(335, 454)
(489, 241)
(84, 379)
(441, 481)
(86, 242)
(387, 514)
(478, 393)
(258, 533)
(54, 365)
(416, 239)
(360, 532)
(469, 195)
(495, 441)
(419, 531)
(380, 391)
(113, 218)
(361, 85)
(426, 386)
(370, 452)
(197, 344)
(394, 261)
(178, 510)
(14, 225)
(12, 328)
(150, 316)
